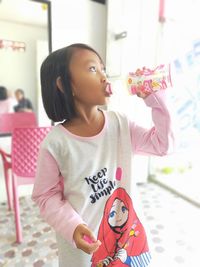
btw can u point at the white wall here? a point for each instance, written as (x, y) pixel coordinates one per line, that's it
(18, 69)
(79, 21)
(139, 18)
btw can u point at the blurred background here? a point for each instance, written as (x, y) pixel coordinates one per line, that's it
(128, 34)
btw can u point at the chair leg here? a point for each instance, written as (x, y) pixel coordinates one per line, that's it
(8, 188)
(17, 212)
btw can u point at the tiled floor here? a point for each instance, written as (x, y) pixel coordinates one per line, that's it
(180, 173)
(173, 232)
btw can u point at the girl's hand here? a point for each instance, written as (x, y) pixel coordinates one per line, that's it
(121, 255)
(80, 233)
(105, 262)
(141, 93)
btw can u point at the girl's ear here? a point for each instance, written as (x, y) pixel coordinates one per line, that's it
(59, 84)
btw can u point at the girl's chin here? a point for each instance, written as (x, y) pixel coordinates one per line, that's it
(104, 102)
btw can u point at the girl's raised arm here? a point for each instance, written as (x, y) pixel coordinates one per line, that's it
(159, 140)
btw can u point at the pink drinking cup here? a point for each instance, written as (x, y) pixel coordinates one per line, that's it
(148, 81)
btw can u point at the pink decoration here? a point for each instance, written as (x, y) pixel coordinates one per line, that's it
(162, 11)
(12, 45)
(118, 174)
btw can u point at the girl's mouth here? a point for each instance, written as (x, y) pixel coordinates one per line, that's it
(108, 89)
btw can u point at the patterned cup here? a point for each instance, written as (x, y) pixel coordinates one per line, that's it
(148, 81)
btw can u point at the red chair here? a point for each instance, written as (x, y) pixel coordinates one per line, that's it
(9, 121)
(24, 150)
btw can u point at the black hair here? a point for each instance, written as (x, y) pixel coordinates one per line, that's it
(3, 93)
(59, 105)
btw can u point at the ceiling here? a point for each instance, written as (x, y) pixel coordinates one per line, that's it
(24, 11)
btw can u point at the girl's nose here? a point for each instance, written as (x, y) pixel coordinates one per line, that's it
(103, 78)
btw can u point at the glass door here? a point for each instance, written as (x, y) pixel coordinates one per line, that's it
(179, 44)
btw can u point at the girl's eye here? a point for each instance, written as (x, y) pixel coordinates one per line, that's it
(92, 69)
(112, 214)
(124, 209)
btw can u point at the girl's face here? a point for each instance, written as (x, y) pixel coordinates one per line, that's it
(118, 214)
(88, 78)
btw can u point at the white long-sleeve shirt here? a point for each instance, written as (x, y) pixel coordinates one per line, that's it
(76, 175)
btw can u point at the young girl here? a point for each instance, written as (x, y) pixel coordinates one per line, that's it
(83, 184)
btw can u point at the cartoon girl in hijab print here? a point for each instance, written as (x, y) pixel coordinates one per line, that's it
(122, 235)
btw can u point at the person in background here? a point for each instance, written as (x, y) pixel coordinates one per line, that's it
(6, 103)
(24, 104)
(84, 182)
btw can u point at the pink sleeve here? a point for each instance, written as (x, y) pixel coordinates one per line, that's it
(48, 194)
(159, 139)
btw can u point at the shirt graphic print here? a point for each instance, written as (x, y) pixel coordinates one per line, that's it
(122, 235)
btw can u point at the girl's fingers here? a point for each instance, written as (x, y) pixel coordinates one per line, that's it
(85, 239)
(90, 243)
(88, 235)
(89, 247)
